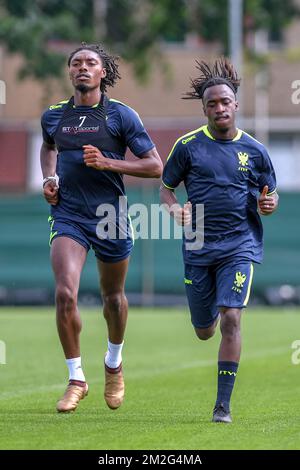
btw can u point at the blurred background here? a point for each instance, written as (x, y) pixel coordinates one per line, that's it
(158, 42)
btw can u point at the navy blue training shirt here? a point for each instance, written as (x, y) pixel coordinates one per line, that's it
(112, 127)
(226, 176)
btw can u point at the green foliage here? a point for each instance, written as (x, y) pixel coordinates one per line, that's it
(134, 30)
(272, 15)
(211, 21)
(33, 28)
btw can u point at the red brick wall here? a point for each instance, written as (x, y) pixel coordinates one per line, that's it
(13, 160)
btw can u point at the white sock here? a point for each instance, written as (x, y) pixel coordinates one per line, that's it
(113, 356)
(75, 370)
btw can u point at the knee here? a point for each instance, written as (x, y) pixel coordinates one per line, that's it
(230, 324)
(114, 302)
(205, 333)
(66, 298)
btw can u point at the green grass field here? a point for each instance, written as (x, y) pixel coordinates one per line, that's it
(170, 385)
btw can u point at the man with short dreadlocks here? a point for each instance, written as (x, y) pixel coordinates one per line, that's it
(83, 162)
(231, 175)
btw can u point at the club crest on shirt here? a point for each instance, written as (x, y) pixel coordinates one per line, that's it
(243, 161)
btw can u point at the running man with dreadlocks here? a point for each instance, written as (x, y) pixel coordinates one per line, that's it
(83, 162)
(231, 174)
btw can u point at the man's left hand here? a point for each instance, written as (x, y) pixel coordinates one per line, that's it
(93, 158)
(267, 204)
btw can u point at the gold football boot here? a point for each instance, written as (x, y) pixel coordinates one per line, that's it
(114, 389)
(72, 396)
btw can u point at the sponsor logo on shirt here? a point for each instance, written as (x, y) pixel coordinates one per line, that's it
(185, 141)
(79, 130)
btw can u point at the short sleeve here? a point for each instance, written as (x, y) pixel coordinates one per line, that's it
(134, 133)
(45, 129)
(267, 175)
(176, 166)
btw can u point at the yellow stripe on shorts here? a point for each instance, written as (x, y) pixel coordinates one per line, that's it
(249, 286)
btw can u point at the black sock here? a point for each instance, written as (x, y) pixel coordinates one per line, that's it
(226, 377)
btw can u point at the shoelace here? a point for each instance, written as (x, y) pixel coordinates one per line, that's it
(220, 408)
(71, 390)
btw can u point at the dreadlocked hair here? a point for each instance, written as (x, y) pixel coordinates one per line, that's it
(221, 73)
(109, 62)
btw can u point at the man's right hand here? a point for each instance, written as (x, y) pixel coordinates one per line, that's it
(51, 192)
(183, 215)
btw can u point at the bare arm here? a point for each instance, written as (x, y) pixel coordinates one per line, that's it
(182, 215)
(149, 165)
(48, 157)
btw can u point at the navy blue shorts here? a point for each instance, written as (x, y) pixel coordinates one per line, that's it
(208, 288)
(106, 249)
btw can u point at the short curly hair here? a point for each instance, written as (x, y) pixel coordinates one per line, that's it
(221, 73)
(109, 63)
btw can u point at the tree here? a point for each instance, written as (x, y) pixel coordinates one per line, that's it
(210, 21)
(31, 28)
(133, 28)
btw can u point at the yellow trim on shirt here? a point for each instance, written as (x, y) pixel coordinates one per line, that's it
(117, 101)
(208, 134)
(183, 137)
(168, 187)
